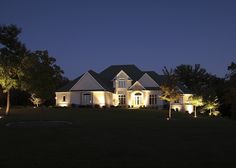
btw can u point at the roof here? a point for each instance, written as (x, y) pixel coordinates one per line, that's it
(69, 85)
(131, 70)
(102, 81)
(160, 79)
(105, 78)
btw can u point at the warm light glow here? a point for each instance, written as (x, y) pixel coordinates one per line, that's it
(99, 98)
(180, 107)
(132, 99)
(130, 102)
(215, 113)
(176, 107)
(189, 108)
(63, 104)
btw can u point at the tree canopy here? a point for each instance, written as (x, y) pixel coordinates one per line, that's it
(169, 89)
(12, 52)
(20, 68)
(230, 91)
(194, 77)
(42, 75)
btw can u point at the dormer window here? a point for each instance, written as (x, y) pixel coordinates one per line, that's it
(121, 83)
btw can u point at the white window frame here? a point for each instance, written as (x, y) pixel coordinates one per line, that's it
(121, 83)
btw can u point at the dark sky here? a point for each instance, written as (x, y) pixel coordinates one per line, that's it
(86, 34)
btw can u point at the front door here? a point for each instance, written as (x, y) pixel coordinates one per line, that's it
(138, 99)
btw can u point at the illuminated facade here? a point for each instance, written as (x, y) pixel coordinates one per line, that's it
(119, 85)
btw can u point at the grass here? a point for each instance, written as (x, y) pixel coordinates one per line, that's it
(117, 138)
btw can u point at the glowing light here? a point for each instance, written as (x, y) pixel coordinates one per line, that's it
(63, 104)
(189, 108)
(176, 107)
(215, 113)
(99, 98)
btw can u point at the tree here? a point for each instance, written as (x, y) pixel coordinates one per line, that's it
(195, 78)
(35, 72)
(196, 101)
(200, 82)
(212, 105)
(43, 76)
(230, 91)
(169, 89)
(35, 100)
(12, 52)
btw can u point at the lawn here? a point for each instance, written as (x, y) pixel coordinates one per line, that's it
(117, 138)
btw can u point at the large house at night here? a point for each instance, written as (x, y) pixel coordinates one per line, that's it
(119, 85)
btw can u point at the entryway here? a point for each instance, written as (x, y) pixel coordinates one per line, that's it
(138, 99)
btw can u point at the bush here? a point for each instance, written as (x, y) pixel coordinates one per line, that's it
(96, 106)
(74, 105)
(233, 112)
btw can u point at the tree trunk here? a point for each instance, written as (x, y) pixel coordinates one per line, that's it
(195, 111)
(170, 111)
(8, 103)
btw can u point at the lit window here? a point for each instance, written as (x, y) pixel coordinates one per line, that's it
(152, 99)
(137, 98)
(64, 98)
(121, 99)
(121, 83)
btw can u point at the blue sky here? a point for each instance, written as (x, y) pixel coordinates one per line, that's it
(85, 35)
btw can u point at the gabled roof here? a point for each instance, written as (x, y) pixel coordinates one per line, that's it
(159, 79)
(103, 82)
(106, 76)
(135, 84)
(69, 85)
(131, 70)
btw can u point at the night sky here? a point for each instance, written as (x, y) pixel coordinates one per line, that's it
(85, 35)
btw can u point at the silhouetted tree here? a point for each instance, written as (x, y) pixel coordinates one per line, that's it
(230, 92)
(195, 78)
(43, 75)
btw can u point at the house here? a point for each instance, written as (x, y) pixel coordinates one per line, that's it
(120, 85)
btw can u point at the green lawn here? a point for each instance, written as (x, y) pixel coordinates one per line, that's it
(117, 138)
